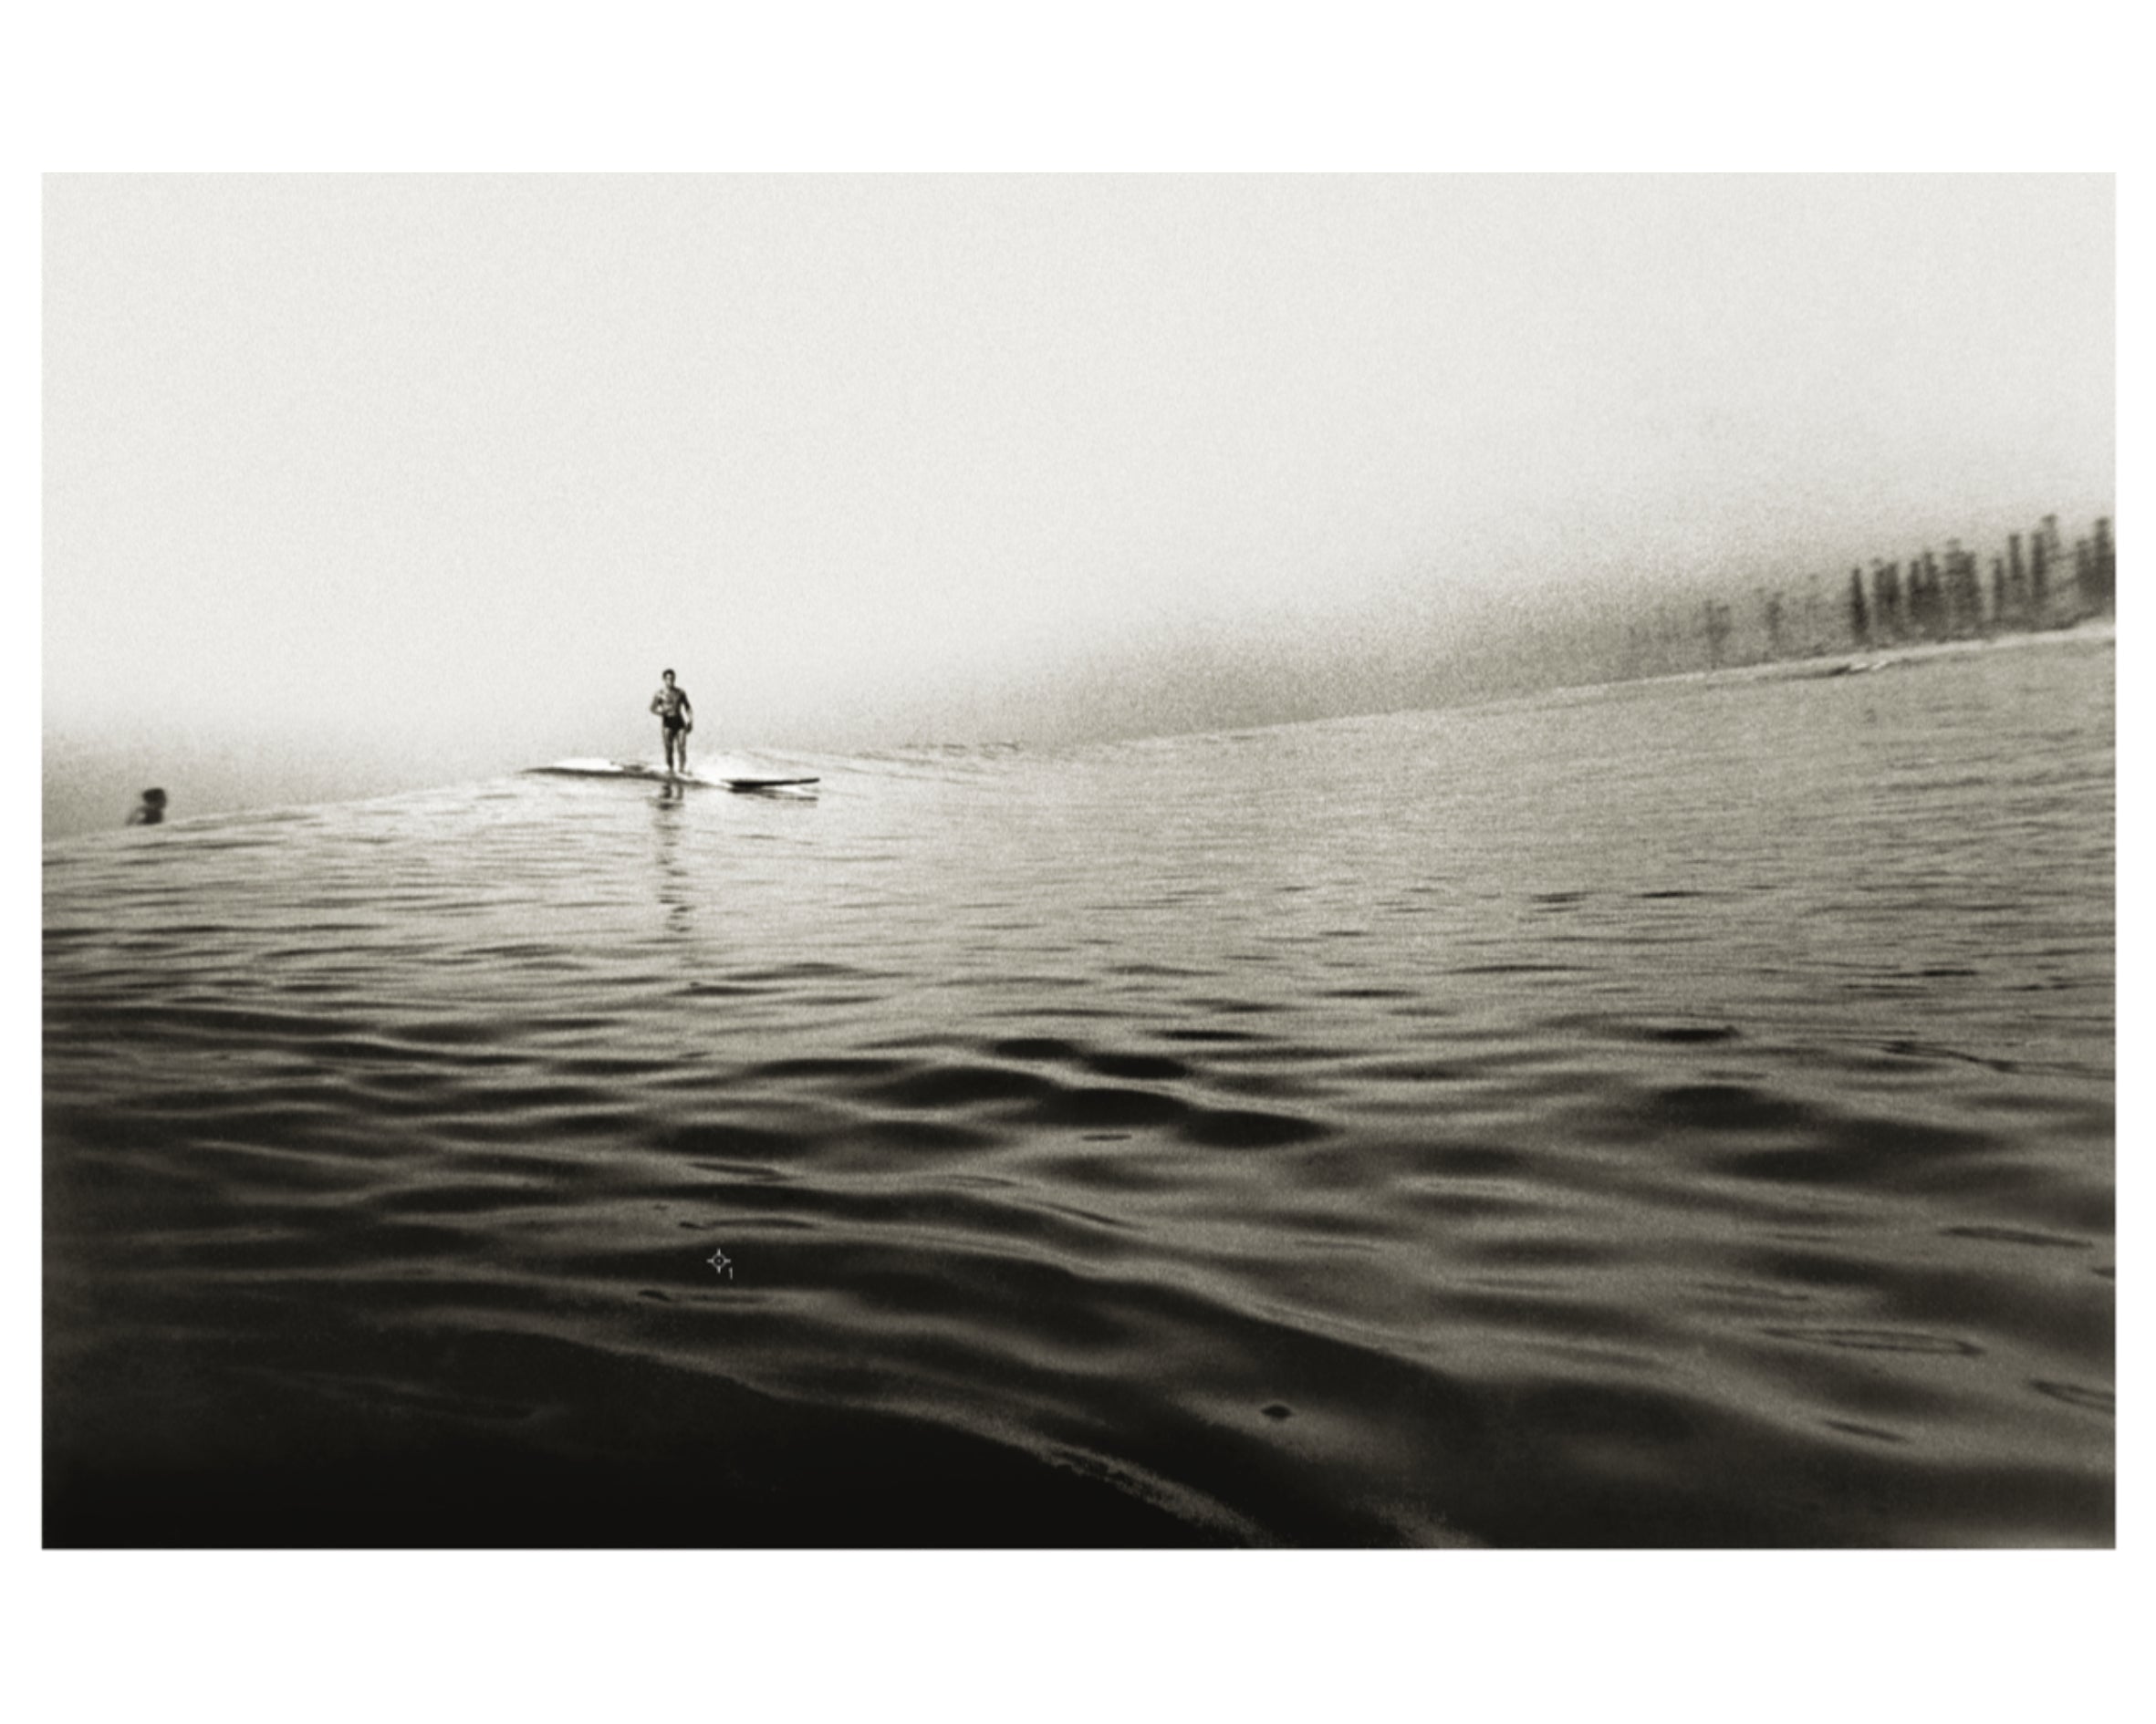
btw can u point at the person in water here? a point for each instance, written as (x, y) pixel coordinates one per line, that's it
(676, 720)
(151, 812)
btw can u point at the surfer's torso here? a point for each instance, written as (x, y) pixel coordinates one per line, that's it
(672, 706)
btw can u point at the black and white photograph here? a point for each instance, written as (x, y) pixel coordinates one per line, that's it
(784, 871)
(1067, 861)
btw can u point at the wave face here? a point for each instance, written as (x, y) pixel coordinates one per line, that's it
(1669, 1115)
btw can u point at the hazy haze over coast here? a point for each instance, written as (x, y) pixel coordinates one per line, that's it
(353, 483)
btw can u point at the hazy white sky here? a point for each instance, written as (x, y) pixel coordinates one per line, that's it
(452, 466)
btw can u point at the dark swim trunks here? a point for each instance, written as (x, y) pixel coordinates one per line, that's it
(673, 720)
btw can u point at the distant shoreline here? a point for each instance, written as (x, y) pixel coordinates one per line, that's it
(1853, 662)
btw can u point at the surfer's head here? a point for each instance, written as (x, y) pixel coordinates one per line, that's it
(154, 798)
(666, 676)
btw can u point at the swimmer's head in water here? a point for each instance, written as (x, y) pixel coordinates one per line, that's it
(155, 798)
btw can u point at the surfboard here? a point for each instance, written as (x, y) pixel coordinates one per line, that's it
(650, 774)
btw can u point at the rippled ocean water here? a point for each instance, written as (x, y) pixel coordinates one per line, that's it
(1673, 1114)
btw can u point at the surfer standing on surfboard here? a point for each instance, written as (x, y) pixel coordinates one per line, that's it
(675, 720)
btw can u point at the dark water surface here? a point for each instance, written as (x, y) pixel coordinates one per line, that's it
(1669, 1115)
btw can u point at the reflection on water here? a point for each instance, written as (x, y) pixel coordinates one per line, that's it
(674, 892)
(1674, 1114)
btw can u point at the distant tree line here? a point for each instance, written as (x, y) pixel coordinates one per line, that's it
(2035, 582)
(1948, 598)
